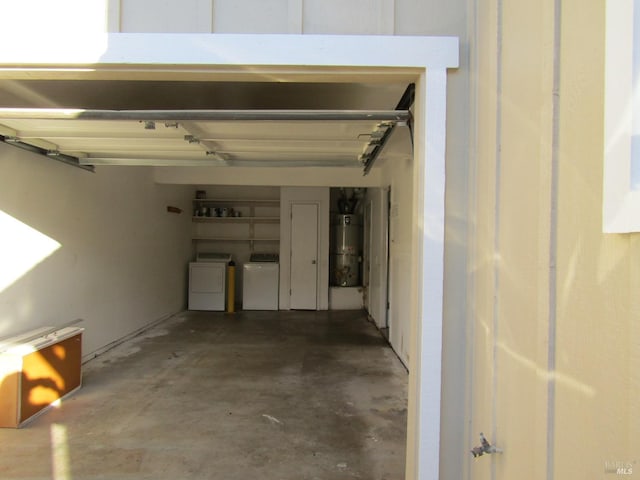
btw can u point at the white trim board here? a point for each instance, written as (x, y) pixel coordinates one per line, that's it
(232, 50)
(335, 58)
(621, 202)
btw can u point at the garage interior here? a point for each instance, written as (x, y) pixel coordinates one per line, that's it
(144, 148)
(242, 143)
(209, 395)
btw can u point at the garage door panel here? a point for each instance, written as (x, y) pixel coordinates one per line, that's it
(202, 137)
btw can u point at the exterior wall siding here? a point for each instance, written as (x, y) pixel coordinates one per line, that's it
(515, 219)
(554, 310)
(598, 335)
(356, 17)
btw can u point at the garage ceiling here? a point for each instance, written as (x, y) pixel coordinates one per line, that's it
(203, 123)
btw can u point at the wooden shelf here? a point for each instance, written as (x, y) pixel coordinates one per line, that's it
(242, 201)
(238, 219)
(246, 227)
(235, 239)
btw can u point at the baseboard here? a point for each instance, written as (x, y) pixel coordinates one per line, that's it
(102, 350)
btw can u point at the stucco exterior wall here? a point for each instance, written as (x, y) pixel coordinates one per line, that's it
(554, 310)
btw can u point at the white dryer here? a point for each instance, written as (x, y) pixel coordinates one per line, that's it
(208, 281)
(260, 283)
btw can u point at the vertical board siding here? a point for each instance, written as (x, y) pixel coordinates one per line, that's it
(142, 16)
(249, 16)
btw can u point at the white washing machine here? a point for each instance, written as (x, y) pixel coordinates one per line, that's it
(261, 282)
(208, 281)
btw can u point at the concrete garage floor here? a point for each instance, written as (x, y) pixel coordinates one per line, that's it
(269, 395)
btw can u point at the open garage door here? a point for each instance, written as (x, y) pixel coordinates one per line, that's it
(316, 135)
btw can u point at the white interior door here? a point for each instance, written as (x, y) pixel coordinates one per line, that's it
(366, 256)
(387, 282)
(304, 256)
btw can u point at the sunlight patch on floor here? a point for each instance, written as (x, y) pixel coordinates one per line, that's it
(60, 466)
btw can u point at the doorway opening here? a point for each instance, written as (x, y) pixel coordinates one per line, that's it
(311, 59)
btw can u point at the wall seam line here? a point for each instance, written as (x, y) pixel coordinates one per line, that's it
(553, 240)
(295, 16)
(472, 235)
(212, 17)
(496, 245)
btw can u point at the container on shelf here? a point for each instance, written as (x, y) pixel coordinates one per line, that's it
(236, 220)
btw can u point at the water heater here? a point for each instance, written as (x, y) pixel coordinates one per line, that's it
(346, 250)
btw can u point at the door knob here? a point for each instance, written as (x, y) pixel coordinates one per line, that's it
(313, 262)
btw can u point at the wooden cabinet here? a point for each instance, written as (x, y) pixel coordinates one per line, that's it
(37, 372)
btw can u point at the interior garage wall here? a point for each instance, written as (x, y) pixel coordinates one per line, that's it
(267, 176)
(121, 259)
